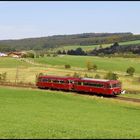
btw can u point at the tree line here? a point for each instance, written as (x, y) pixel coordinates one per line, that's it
(44, 43)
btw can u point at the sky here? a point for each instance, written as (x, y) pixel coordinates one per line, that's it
(25, 19)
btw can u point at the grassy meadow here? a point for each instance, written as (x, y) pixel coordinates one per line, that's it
(28, 113)
(91, 47)
(103, 63)
(55, 66)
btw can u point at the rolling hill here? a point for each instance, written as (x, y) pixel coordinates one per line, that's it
(56, 41)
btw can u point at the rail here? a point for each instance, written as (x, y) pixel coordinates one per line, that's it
(33, 86)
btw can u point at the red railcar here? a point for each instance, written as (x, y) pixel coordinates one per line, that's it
(55, 82)
(98, 86)
(87, 85)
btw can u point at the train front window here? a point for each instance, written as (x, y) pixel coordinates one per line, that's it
(115, 85)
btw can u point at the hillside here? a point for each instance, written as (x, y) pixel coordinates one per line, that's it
(55, 41)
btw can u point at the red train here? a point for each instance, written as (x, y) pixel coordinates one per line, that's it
(87, 85)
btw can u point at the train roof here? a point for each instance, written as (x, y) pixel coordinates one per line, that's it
(77, 79)
(99, 80)
(56, 77)
(92, 79)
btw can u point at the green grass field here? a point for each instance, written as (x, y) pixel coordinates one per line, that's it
(103, 63)
(55, 66)
(27, 113)
(91, 47)
(8, 62)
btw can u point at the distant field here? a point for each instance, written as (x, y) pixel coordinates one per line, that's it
(27, 113)
(86, 48)
(8, 62)
(103, 63)
(91, 47)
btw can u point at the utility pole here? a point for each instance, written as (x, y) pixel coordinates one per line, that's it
(16, 78)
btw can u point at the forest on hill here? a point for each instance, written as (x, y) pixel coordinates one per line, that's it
(118, 49)
(44, 43)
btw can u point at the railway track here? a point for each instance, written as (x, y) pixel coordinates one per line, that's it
(34, 87)
(128, 99)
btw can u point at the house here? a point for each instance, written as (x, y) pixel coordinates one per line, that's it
(16, 54)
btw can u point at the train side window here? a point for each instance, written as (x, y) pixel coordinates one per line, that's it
(93, 84)
(79, 83)
(49, 80)
(71, 82)
(44, 80)
(109, 86)
(61, 82)
(116, 85)
(55, 81)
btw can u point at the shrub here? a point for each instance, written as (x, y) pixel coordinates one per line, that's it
(67, 66)
(94, 67)
(86, 76)
(130, 71)
(48, 55)
(97, 76)
(91, 66)
(54, 55)
(37, 75)
(30, 54)
(3, 77)
(67, 74)
(111, 76)
(76, 75)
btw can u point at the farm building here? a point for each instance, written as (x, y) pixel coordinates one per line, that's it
(16, 54)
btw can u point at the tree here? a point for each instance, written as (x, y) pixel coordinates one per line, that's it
(94, 67)
(111, 76)
(59, 52)
(130, 71)
(116, 44)
(97, 76)
(3, 77)
(89, 65)
(100, 47)
(67, 66)
(86, 76)
(38, 75)
(76, 75)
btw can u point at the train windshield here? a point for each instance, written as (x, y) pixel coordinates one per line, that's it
(114, 85)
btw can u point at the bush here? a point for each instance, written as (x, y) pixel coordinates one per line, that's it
(3, 77)
(111, 76)
(97, 76)
(94, 67)
(68, 75)
(91, 66)
(37, 75)
(76, 75)
(130, 71)
(54, 55)
(48, 55)
(86, 76)
(67, 66)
